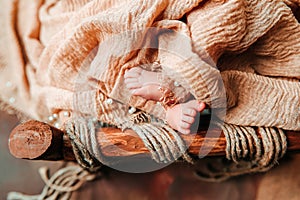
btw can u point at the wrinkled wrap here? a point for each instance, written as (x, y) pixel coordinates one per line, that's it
(254, 47)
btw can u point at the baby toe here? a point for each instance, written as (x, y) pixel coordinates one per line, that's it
(133, 85)
(188, 119)
(131, 75)
(184, 125)
(189, 112)
(201, 106)
(135, 70)
(184, 131)
(131, 80)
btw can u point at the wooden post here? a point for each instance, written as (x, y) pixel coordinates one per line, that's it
(37, 140)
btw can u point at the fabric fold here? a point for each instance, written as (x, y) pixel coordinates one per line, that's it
(246, 57)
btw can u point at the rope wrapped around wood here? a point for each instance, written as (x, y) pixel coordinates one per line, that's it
(164, 144)
(245, 152)
(82, 134)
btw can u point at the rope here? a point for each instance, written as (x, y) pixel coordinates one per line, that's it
(81, 132)
(247, 152)
(59, 186)
(245, 149)
(164, 144)
(157, 136)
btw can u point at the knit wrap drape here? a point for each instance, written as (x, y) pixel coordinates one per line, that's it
(254, 47)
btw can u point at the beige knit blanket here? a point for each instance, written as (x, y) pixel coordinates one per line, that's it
(45, 46)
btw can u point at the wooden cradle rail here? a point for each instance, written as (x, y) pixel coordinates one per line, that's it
(37, 140)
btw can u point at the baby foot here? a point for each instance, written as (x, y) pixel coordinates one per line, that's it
(143, 83)
(182, 116)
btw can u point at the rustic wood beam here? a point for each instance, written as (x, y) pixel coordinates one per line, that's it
(37, 140)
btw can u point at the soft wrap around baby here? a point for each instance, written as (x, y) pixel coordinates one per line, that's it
(45, 46)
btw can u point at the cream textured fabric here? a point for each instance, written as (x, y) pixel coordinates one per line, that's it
(44, 46)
